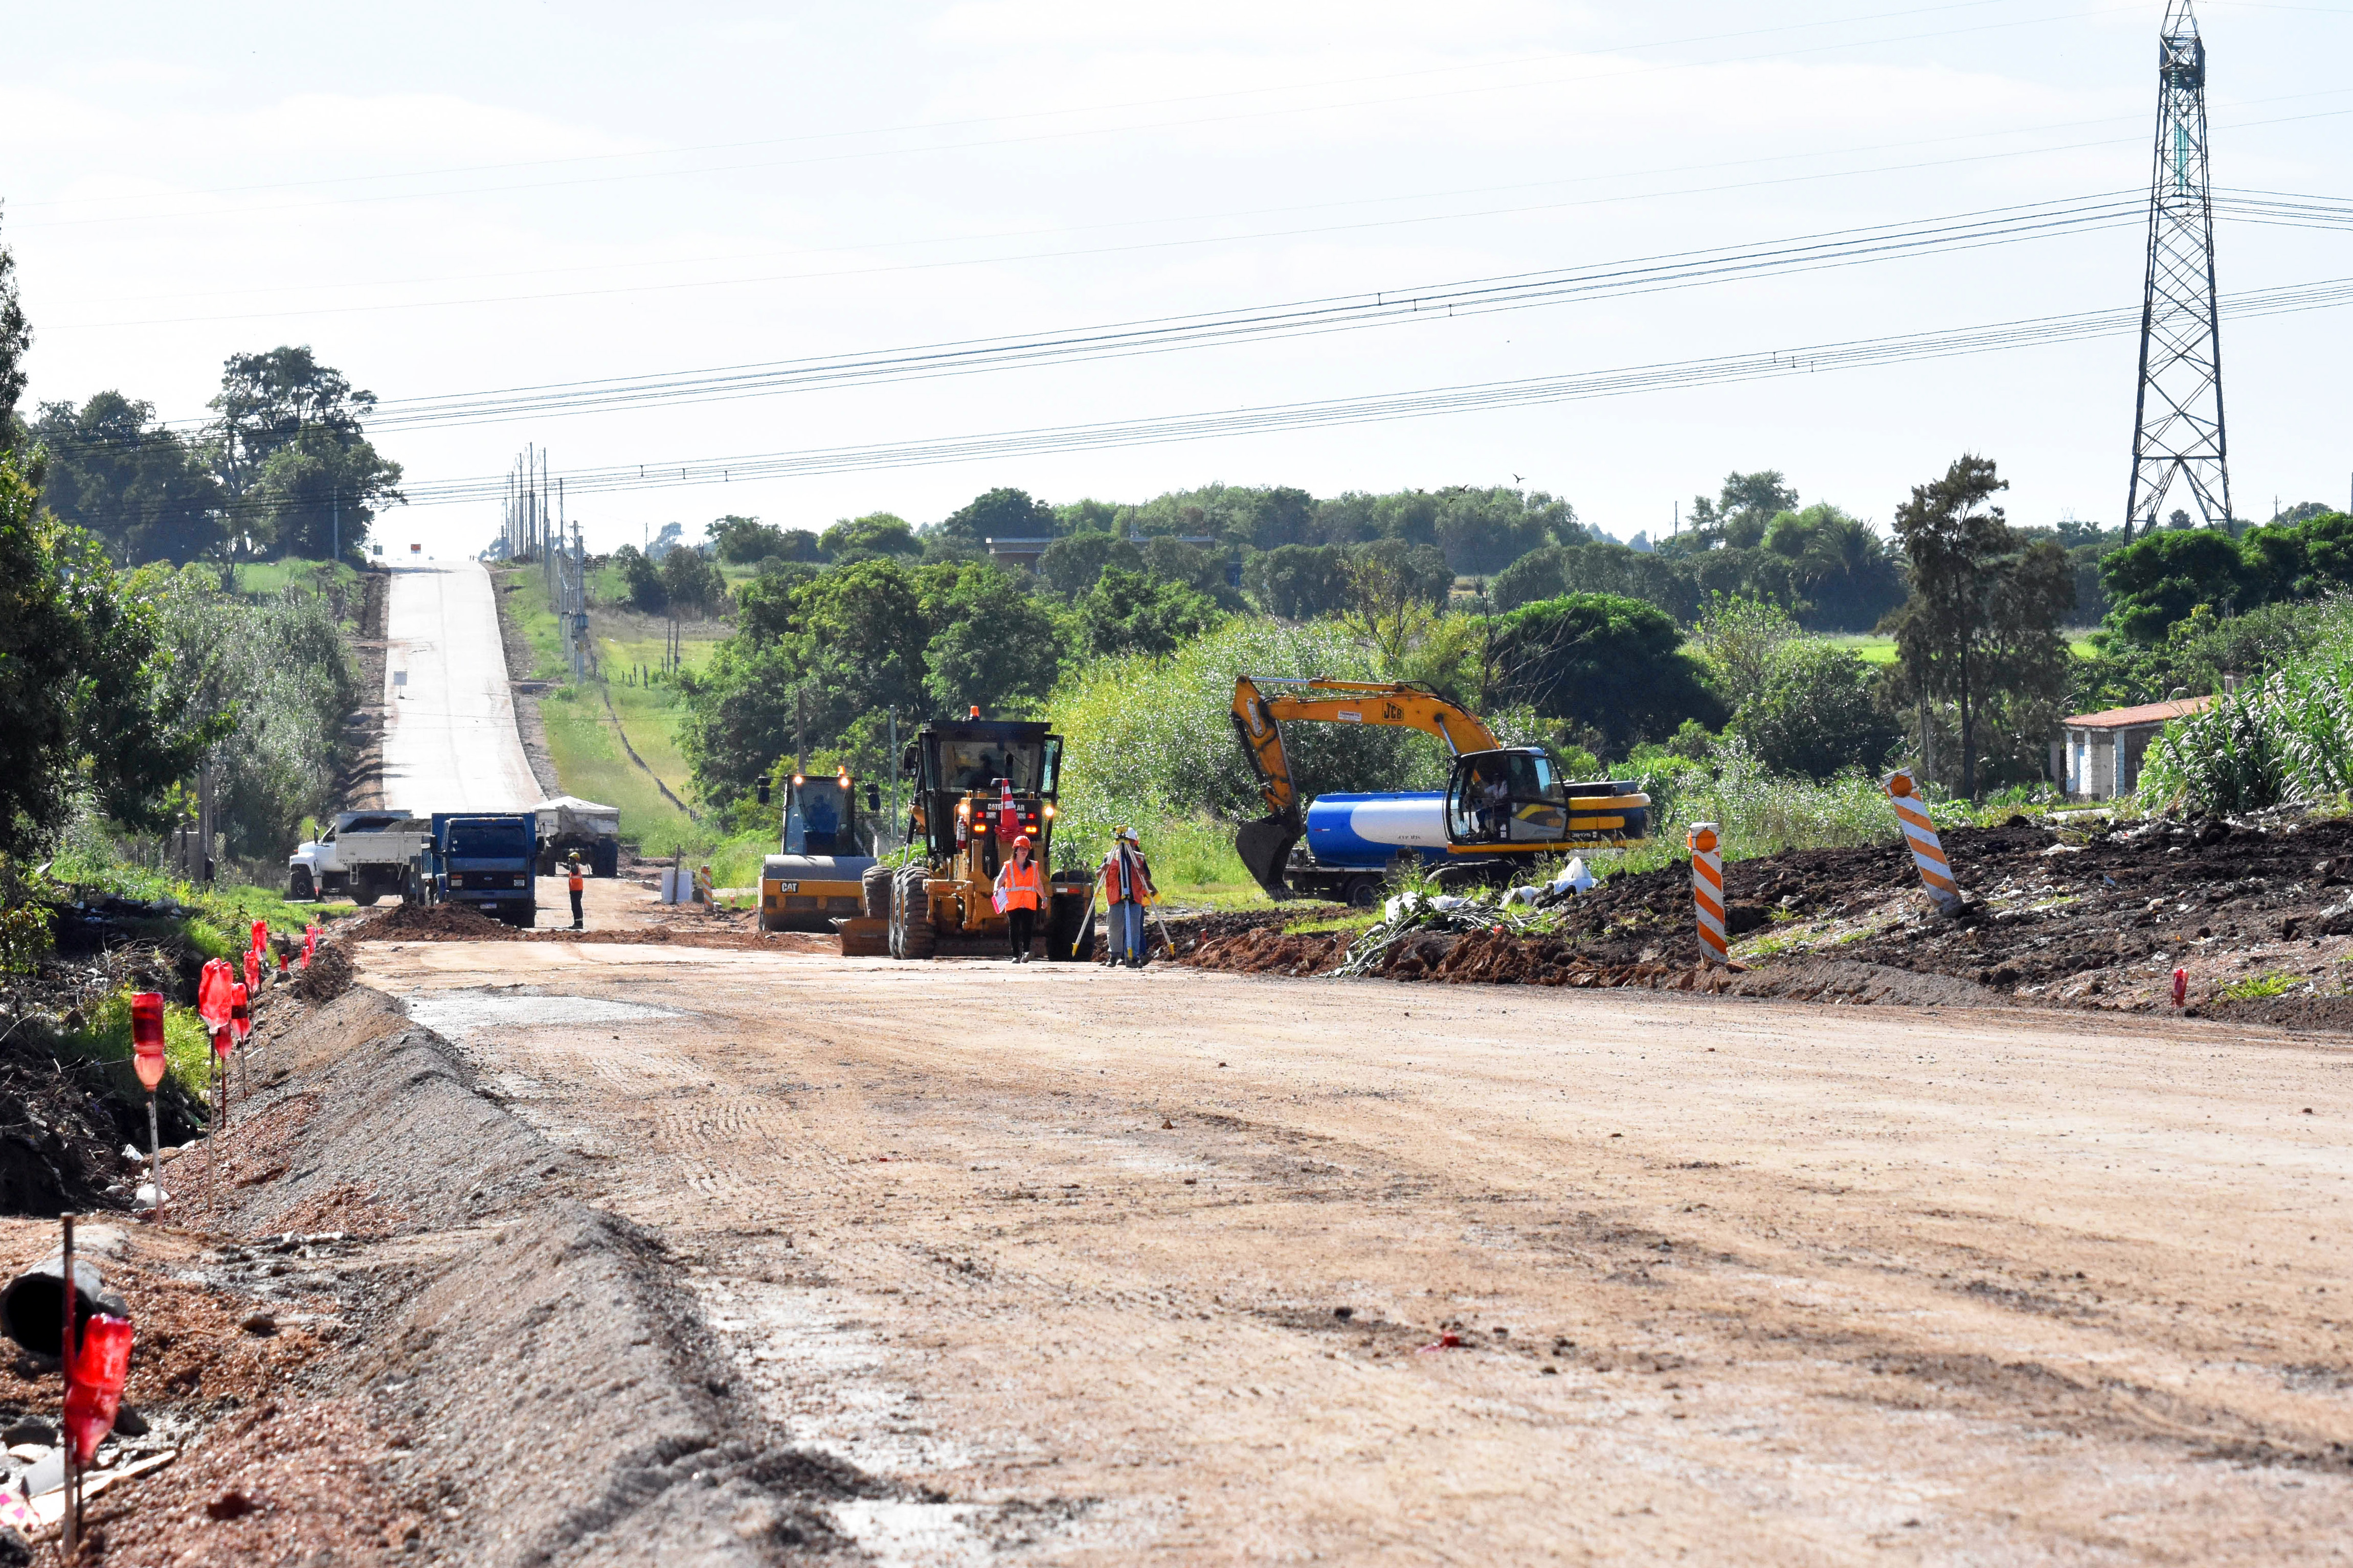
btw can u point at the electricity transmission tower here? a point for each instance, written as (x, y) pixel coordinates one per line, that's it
(2178, 416)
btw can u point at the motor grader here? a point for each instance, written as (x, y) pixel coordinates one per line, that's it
(979, 785)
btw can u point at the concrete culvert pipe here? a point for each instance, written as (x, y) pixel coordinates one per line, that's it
(32, 1306)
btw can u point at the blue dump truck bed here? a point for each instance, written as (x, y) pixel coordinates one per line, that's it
(486, 861)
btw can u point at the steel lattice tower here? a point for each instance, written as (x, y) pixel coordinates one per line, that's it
(2178, 415)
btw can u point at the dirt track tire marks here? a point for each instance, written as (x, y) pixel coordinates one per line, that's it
(1773, 1281)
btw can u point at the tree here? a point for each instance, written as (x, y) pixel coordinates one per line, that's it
(2160, 578)
(742, 541)
(998, 514)
(80, 670)
(130, 481)
(1128, 612)
(876, 533)
(997, 648)
(1610, 663)
(15, 338)
(319, 494)
(1843, 568)
(1299, 581)
(642, 575)
(1739, 639)
(1813, 711)
(1071, 564)
(690, 582)
(1983, 619)
(1393, 588)
(1482, 532)
(285, 401)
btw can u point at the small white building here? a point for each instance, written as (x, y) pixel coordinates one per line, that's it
(2098, 754)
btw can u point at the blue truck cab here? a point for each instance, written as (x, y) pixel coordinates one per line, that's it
(484, 859)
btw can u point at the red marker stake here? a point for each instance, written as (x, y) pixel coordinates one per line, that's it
(147, 1047)
(73, 1471)
(2180, 985)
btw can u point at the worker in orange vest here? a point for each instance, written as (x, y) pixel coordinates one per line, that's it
(1127, 887)
(1020, 889)
(577, 885)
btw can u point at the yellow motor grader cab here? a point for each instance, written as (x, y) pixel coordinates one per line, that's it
(979, 784)
(816, 880)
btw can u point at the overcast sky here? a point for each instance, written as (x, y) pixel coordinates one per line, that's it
(446, 199)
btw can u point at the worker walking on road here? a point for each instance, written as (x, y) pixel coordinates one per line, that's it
(1020, 888)
(578, 920)
(1127, 887)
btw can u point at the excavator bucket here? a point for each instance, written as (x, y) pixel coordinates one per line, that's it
(1265, 848)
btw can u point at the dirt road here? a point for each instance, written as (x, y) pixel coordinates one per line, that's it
(1147, 1268)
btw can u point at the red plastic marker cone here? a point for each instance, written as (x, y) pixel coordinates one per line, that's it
(147, 1037)
(95, 1392)
(240, 1013)
(260, 936)
(2180, 985)
(211, 992)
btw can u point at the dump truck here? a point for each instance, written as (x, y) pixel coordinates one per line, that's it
(569, 826)
(1503, 807)
(817, 877)
(364, 854)
(488, 860)
(979, 785)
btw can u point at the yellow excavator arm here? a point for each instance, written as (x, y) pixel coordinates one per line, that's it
(1258, 715)
(1258, 720)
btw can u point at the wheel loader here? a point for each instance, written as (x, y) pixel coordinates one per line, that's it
(979, 784)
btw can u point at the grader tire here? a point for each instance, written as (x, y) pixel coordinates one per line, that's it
(917, 940)
(874, 892)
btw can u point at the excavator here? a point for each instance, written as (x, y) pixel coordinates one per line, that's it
(1502, 805)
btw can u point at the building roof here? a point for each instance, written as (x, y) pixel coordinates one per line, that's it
(2147, 713)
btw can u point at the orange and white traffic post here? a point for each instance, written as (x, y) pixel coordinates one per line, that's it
(1927, 850)
(1707, 892)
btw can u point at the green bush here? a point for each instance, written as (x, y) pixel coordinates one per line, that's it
(1814, 713)
(2286, 739)
(1150, 740)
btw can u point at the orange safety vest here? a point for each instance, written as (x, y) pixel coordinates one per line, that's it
(576, 878)
(1020, 886)
(1125, 877)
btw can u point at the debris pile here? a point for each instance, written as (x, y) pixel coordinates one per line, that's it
(2258, 913)
(436, 922)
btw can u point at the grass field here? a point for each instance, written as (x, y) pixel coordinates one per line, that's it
(1873, 649)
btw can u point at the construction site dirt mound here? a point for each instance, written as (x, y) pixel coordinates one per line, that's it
(2257, 916)
(435, 922)
(328, 975)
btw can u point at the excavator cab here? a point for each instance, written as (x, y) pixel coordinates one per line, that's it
(1518, 796)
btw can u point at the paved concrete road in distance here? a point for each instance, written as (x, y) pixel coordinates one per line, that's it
(450, 743)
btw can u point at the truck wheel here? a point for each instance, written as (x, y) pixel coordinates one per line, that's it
(298, 887)
(1065, 927)
(917, 940)
(366, 894)
(1363, 892)
(874, 892)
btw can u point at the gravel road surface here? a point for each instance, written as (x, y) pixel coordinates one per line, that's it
(450, 740)
(1198, 1267)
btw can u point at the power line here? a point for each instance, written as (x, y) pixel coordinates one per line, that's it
(1624, 381)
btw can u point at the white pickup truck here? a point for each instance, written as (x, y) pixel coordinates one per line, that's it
(365, 853)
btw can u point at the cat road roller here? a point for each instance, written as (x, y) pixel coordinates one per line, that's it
(977, 785)
(816, 880)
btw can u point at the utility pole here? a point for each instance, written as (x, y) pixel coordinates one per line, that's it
(338, 552)
(2178, 412)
